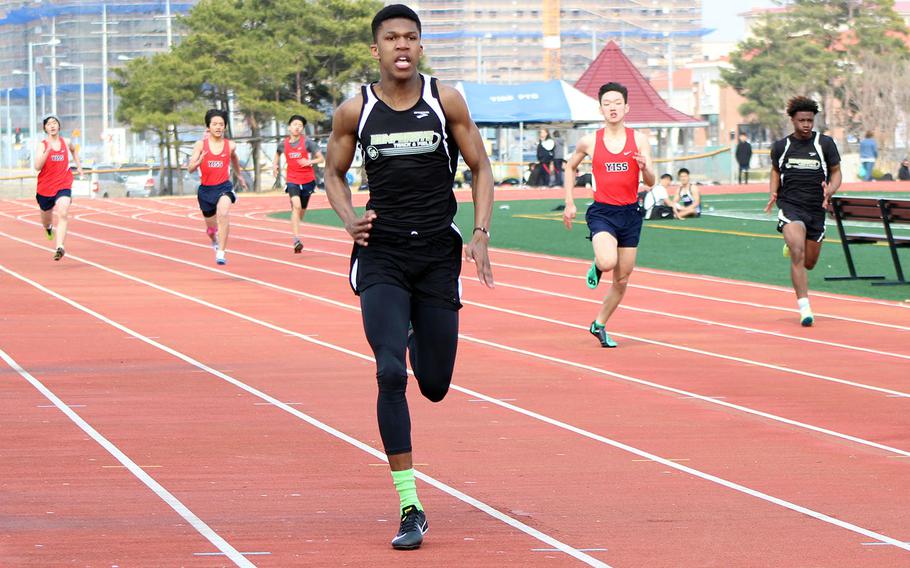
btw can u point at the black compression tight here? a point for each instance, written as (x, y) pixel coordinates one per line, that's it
(386, 312)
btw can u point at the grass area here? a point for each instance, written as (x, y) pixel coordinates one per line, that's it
(735, 240)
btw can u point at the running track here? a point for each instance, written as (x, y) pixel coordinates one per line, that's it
(157, 410)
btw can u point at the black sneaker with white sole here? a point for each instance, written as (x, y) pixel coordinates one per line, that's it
(410, 532)
(59, 253)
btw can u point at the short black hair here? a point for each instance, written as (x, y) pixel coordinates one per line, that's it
(667, 176)
(212, 113)
(801, 104)
(682, 171)
(50, 117)
(395, 11)
(613, 87)
(297, 117)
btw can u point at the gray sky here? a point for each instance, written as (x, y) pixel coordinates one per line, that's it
(722, 16)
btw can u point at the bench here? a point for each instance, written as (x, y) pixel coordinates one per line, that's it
(885, 210)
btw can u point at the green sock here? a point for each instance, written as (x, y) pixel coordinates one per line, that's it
(407, 488)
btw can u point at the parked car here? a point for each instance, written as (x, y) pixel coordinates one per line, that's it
(142, 184)
(107, 183)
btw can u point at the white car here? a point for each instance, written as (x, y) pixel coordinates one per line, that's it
(141, 184)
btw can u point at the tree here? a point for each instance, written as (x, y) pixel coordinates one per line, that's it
(157, 94)
(813, 48)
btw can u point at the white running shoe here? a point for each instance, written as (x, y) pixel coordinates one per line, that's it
(219, 257)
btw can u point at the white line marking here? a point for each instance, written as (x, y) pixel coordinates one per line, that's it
(137, 471)
(572, 276)
(563, 362)
(452, 491)
(592, 301)
(545, 538)
(222, 554)
(484, 306)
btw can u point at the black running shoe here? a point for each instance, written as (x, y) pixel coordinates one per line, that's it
(413, 527)
(49, 231)
(601, 334)
(298, 246)
(59, 254)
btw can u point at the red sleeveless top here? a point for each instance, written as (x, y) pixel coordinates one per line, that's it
(615, 176)
(214, 169)
(55, 174)
(297, 173)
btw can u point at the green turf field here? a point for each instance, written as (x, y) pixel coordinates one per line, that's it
(734, 240)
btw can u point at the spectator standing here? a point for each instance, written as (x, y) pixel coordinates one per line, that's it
(743, 157)
(868, 153)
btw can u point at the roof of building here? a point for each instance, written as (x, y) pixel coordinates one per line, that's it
(646, 108)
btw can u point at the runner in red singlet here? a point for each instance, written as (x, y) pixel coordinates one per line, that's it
(55, 181)
(213, 156)
(619, 157)
(301, 154)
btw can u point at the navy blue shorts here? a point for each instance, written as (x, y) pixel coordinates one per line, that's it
(301, 190)
(621, 221)
(208, 196)
(47, 203)
(429, 268)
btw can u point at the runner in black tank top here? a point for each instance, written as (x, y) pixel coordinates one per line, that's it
(406, 259)
(805, 173)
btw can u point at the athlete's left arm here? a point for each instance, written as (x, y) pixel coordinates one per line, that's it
(76, 159)
(467, 136)
(643, 157)
(235, 163)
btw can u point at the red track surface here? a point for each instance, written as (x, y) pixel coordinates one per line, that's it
(720, 433)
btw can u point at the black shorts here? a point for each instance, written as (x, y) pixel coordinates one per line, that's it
(208, 196)
(813, 219)
(427, 267)
(301, 190)
(621, 221)
(47, 203)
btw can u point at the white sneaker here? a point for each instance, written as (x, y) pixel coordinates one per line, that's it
(219, 257)
(806, 319)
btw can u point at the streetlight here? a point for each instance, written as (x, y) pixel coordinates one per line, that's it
(81, 67)
(9, 133)
(31, 107)
(32, 87)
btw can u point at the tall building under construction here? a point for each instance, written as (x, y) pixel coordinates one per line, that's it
(511, 41)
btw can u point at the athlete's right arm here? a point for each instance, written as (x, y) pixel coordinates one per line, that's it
(775, 183)
(41, 153)
(569, 173)
(338, 158)
(195, 158)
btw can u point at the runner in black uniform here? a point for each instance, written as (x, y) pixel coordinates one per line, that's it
(406, 260)
(805, 173)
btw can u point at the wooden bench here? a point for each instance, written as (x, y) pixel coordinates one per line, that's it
(885, 210)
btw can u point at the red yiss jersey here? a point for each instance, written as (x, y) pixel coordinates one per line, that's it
(55, 174)
(615, 176)
(214, 169)
(297, 173)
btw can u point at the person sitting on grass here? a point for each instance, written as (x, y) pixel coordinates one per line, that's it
(687, 200)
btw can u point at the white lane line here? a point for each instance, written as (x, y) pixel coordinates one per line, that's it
(626, 306)
(472, 393)
(576, 276)
(597, 370)
(743, 360)
(532, 532)
(162, 493)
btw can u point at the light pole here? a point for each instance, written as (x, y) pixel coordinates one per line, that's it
(81, 67)
(9, 133)
(31, 108)
(31, 91)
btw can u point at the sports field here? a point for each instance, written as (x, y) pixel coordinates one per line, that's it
(159, 410)
(733, 239)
